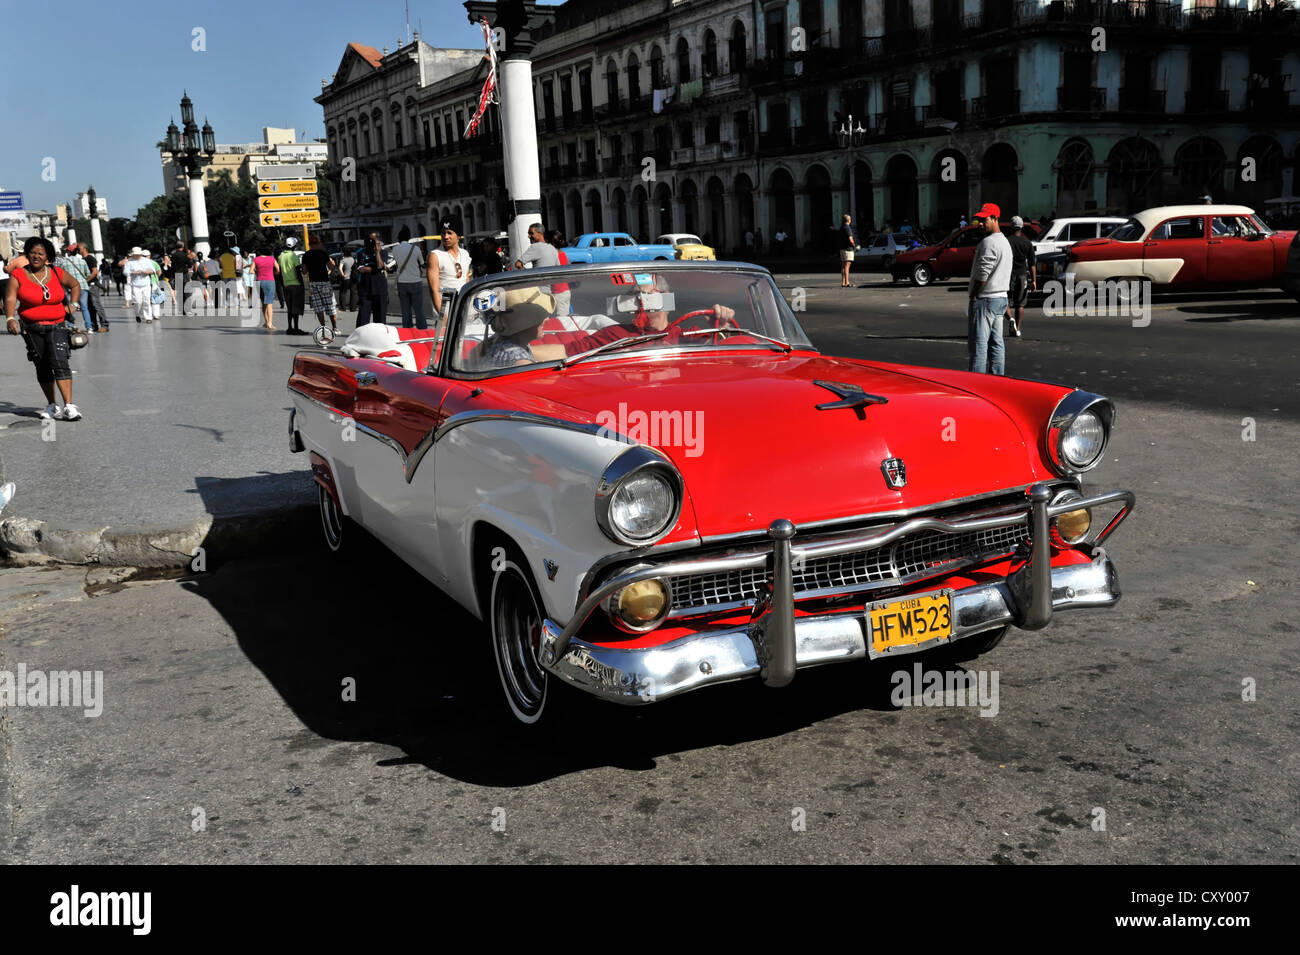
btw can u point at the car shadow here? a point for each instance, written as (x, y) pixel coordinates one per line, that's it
(425, 682)
(1269, 311)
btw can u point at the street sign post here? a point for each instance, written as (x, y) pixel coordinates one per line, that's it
(281, 203)
(294, 170)
(271, 187)
(280, 187)
(302, 218)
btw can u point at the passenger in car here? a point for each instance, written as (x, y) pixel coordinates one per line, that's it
(512, 330)
(650, 317)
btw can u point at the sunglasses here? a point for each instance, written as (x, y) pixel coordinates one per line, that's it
(457, 270)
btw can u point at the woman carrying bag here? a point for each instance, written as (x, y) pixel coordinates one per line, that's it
(36, 307)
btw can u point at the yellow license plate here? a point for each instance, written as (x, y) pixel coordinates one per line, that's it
(909, 621)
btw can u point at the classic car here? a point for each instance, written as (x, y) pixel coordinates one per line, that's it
(671, 488)
(1186, 247)
(881, 248)
(951, 257)
(616, 247)
(1063, 233)
(687, 246)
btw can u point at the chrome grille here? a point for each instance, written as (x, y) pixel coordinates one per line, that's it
(916, 556)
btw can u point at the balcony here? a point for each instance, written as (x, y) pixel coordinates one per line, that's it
(613, 166)
(951, 111)
(906, 41)
(774, 138)
(587, 168)
(815, 136)
(1275, 100)
(994, 106)
(1141, 101)
(683, 155)
(1080, 99)
(899, 119)
(1206, 101)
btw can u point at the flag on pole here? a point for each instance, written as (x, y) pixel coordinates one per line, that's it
(489, 92)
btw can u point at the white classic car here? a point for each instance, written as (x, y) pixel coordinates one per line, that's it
(1063, 233)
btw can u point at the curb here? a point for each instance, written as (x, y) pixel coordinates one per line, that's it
(26, 542)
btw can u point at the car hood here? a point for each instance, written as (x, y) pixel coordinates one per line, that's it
(752, 446)
(919, 254)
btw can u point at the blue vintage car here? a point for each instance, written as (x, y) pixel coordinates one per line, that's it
(616, 247)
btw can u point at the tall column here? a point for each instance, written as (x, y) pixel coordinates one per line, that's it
(802, 237)
(199, 217)
(519, 143)
(925, 203)
(96, 242)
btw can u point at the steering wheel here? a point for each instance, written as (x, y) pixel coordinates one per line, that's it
(718, 323)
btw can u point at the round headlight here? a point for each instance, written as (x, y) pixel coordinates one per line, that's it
(642, 505)
(1083, 440)
(639, 607)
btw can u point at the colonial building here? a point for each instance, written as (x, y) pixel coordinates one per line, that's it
(723, 117)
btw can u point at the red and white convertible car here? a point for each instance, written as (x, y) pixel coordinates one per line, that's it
(652, 482)
(1186, 247)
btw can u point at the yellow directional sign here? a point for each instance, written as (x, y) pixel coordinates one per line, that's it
(268, 203)
(290, 218)
(274, 186)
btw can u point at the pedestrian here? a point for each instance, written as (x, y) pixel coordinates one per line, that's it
(962, 224)
(348, 287)
(240, 286)
(489, 257)
(166, 272)
(318, 266)
(372, 268)
(139, 280)
(411, 284)
(561, 290)
(72, 263)
(449, 268)
(39, 298)
(779, 241)
(749, 241)
(250, 281)
(97, 314)
(540, 253)
(1024, 278)
(265, 269)
(119, 278)
(294, 290)
(229, 287)
(848, 249)
(758, 240)
(990, 279)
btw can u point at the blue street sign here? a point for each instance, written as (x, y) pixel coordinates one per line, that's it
(11, 202)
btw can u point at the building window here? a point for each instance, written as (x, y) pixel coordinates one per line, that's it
(709, 58)
(566, 97)
(736, 47)
(427, 142)
(683, 60)
(584, 94)
(686, 134)
(713, 129)
(657, 80)
(611, 83)
(774, 24)
(633, 80)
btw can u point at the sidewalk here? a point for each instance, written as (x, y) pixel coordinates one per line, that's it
(183, 444)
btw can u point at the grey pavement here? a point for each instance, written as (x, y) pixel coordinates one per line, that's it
(222, 702)
(184, 431)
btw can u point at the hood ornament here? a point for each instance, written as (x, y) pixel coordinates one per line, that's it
(895, 472)
(851, 396)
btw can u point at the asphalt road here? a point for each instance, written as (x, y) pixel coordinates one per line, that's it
(222, 699)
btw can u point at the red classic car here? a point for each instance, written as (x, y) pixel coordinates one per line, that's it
(1191, 247)
(654, 483)
(951, 257)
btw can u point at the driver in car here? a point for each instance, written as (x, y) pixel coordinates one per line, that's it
(649, 305)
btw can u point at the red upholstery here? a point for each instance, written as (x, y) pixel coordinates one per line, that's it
(422, 351)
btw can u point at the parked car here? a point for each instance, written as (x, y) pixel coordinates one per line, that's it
(616, 247)
(947, 259)
(881, 248)
(688, 247)
(1186, 247)
(611, 519)
(1063, 233)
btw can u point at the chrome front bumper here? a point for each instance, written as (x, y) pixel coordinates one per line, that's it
(774, 642)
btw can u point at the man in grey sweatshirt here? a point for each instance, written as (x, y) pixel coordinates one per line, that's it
(990, 277)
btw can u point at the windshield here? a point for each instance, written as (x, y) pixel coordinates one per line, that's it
(1130, 231)
(513, 325)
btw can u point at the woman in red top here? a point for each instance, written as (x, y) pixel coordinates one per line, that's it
(36, 306)
(560, 289)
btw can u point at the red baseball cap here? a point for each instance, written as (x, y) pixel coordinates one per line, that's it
(989, 209)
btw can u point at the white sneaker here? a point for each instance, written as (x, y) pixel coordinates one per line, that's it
(51, 411)
(70, 412)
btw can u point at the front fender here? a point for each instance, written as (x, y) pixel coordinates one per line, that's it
(536, 483)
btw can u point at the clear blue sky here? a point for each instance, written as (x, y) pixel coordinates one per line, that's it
(93, 85)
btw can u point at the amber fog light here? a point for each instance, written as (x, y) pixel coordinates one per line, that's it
(639, 607)
(1072, 526)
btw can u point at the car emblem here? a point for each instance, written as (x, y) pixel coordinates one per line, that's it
(895, 472)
